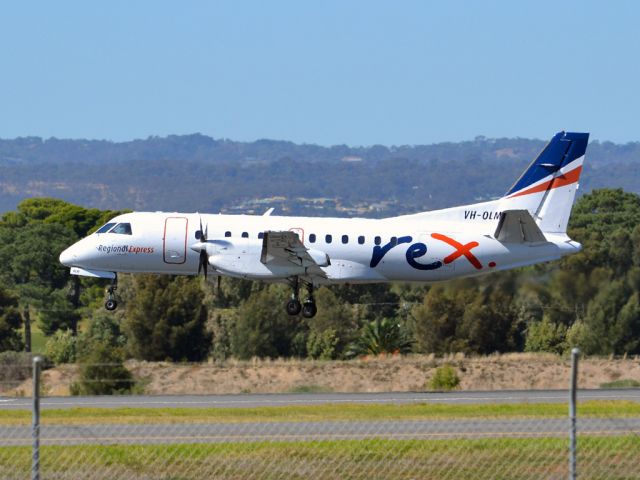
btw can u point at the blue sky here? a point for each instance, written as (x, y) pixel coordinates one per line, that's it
(326, 72)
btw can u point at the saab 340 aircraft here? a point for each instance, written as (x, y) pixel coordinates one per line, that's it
(526, 226)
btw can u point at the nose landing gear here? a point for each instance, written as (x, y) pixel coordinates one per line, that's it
(111, 303)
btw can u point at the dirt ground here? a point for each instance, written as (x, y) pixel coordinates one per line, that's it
(397, 374)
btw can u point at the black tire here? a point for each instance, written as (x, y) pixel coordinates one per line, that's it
(309, 310)
(293, 307)
(110, 305)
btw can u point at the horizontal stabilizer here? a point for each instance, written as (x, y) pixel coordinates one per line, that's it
(518, 226)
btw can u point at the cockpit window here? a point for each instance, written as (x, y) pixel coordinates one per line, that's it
(105, 228)
(122, 228)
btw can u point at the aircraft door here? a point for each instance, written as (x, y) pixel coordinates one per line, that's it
(174, 245)
(299, 232)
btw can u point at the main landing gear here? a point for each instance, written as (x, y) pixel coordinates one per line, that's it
(308, 308)
(111, 303)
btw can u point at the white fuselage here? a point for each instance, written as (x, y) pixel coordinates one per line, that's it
(427, 247)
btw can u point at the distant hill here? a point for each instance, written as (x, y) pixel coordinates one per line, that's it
(199, 173)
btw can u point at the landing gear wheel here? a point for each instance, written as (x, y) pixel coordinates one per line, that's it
(294, 306)
(111, 303)
(309, 309)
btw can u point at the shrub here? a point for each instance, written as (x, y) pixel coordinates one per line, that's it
(380, 337)
(546, 336)
(14, 368)
(445, 378)
(624, 383)
(103, 373)
(61, 347)
(322, 345)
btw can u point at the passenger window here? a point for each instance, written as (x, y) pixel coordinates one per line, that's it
(245, 235)
(227, 234)
(122, 229)
(105, 228)
(345, 238)
(261, 235)
(198, 234)
(377, 240)
(312, 238)
(327, 238)
(394, 241)
(361, 239)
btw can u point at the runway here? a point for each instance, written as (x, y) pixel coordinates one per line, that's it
(288, 399)
(159, 433)
(150, 434)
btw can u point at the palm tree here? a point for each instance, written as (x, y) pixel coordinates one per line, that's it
(378, 337)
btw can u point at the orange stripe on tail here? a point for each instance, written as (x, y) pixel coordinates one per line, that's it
(565, 179)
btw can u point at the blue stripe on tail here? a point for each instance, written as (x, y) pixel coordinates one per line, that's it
(563, 149)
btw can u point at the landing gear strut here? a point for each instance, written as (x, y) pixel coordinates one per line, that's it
(308, 308)
(293, 305)
(111, 303)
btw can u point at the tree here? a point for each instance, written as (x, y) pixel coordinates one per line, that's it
(102, 372)
(491, 322)
(165, 318)
(335, 316)
(373, 301)
(626, 329)
(10, 322)
(546, 336)
(263, 328)
(437, 318)
(232, 291)
(603, 322)
(31, 240)
(104, 328)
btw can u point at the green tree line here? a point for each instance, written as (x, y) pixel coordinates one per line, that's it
(590, 300)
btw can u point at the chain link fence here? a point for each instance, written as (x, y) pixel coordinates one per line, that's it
(411, 440)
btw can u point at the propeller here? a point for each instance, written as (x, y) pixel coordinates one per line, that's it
(203, 261)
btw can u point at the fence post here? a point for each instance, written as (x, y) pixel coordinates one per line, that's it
(575, 353)
(35, 420)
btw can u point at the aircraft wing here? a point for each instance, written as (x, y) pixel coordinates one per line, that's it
(285, 246)
(518, 226)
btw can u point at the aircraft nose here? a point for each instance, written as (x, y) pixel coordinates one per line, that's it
(67, 257)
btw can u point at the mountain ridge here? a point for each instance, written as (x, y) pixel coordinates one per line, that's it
(200, 173)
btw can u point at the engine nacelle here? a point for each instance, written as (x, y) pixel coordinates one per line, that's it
(248, 265)
(321, 258)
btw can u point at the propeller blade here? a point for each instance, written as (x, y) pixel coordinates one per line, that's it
(203, 262)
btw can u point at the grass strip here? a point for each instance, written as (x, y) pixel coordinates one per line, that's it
(600, 457)
(328, 412)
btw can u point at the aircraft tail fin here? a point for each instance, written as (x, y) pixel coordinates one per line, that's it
(547, 188)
